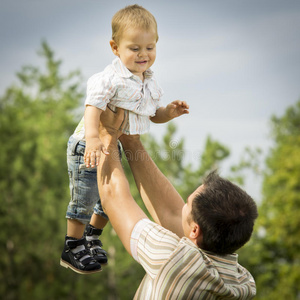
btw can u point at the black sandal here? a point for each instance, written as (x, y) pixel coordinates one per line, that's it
(81, 262)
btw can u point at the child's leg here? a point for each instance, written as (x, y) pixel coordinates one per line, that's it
(75, 228)
(98, 221)
(84, 195)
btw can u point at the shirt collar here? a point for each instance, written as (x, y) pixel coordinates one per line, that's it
(122, 71)
(230, 258)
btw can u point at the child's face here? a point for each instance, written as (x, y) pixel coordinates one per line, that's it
(136, 49)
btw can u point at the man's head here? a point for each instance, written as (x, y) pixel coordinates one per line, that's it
(225, 215)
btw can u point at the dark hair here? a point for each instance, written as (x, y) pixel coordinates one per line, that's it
(225, 214)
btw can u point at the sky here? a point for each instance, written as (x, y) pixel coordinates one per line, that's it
(236, 63)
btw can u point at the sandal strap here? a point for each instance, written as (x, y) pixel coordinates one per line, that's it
(98, 251)
(95, 247)
(88, 258)
(93, 243)
(71, 244)
(81, 254)
(93, 231)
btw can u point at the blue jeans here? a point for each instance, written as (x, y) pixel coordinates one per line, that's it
(85, 197)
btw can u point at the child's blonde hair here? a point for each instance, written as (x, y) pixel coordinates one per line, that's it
(134, 16)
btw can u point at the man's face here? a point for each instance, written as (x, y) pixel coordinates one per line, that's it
(186, 211)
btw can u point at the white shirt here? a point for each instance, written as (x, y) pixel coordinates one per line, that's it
(116, 86)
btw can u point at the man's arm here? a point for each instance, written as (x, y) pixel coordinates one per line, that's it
(160, 197)
(116, 199)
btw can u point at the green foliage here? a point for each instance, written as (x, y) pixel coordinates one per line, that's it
(273, 255)
(211, 158)
(35, 121)
(169, 156)
(251, 160)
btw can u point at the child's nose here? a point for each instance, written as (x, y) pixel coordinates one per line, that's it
(142, 53)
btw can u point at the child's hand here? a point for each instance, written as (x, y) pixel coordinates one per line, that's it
(176, 109)
(93, 150)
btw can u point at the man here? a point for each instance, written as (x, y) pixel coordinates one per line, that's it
(188, 253)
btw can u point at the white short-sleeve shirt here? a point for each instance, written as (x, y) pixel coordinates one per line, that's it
(116, 86)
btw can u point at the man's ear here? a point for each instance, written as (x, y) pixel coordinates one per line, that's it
(114, 47)
(195, 231)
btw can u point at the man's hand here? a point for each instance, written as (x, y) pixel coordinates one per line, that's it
(110, 125)
(176, 109)
(124, 138)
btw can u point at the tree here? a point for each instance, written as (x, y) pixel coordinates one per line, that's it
(35, 121)
(273, 255)
(169, 156)
(213, 155)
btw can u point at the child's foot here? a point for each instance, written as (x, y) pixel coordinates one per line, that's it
(76, 257)
(93, 244)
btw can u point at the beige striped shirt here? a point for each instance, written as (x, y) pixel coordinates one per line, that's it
(177, 269)
(116, 86)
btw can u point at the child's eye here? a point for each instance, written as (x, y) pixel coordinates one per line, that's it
(135, 49)
(150, 48)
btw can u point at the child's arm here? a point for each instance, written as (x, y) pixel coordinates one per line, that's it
(94, 145)
(171, 111)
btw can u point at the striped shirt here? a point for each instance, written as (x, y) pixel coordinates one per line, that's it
(177, 269)
(116, 86)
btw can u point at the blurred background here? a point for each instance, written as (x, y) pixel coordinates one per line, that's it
(237, 65)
